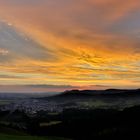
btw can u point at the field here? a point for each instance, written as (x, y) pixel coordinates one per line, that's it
(13, 134)
(12, 137)
(5, 102)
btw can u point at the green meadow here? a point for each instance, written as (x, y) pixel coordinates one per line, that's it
(12, 137)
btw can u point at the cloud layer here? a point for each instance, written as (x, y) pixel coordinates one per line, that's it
(76, 42)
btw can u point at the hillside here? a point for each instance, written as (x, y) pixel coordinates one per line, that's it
(120, 92)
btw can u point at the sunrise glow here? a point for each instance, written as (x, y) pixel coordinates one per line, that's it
(77, 43)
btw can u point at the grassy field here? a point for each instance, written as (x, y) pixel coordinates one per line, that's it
(12, 137)
(7, 133)
(5, 102)
(12, 134)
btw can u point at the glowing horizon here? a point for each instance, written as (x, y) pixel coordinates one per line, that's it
(75, 42)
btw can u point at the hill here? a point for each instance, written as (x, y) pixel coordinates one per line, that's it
(108, 92)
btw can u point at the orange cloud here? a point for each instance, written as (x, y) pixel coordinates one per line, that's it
(89, 42)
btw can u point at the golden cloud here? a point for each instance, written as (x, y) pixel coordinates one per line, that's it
(92, 41)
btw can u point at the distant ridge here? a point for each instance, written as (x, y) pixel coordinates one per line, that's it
(83, 94)
(113, 92)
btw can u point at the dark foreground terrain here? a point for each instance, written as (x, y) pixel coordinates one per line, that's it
(75, 123)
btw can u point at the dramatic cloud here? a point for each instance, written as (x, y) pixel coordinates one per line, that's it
(72, 42)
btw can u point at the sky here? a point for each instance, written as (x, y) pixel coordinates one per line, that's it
(66, 44)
